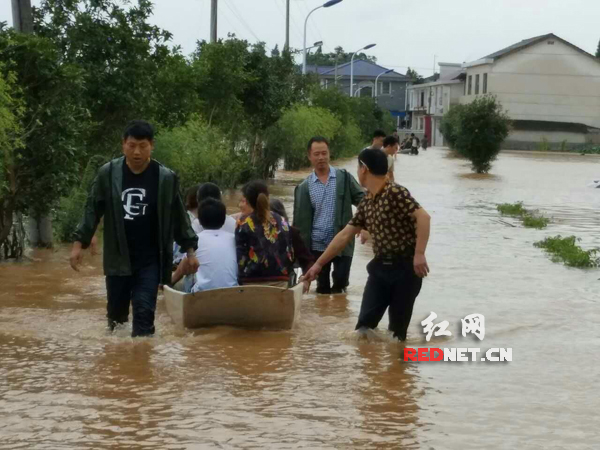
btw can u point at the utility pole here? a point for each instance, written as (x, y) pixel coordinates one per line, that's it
(287, 25)
(214, 6)
(22, 18)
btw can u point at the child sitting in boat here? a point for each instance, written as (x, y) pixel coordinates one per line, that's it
(216, 251)
(264, 245)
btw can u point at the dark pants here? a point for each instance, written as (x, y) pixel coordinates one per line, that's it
(414, 151)
(394, 284)
(341, 274)
(139, 289)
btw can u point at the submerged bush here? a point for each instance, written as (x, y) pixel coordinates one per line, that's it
(567, 251)
(511, 209)
(532, 221)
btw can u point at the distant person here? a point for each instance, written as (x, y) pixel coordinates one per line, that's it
(265, 253)
(303, 258)
(322, 207)
(414, 150)
(395, 134)
(400, 229)
(378, 137)
(216, 251)
(390, 148)
(143, 211)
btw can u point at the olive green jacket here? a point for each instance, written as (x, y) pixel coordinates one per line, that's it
(348, 193)
(104, 200)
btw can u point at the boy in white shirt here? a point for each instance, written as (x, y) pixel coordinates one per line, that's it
(216, 251)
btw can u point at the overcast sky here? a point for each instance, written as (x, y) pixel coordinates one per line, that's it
(407, 32)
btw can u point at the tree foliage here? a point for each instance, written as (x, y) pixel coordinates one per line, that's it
(414, 76)
(598, 50)
(338, 56)
(53, 120)
(477, 131)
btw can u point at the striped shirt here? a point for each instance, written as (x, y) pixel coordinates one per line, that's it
(322, 197)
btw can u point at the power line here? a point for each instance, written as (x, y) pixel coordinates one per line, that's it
(233, 27)
(241, 20)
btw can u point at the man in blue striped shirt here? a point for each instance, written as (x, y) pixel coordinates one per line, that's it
(322, 207)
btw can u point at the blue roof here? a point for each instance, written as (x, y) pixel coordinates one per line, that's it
(364, 69)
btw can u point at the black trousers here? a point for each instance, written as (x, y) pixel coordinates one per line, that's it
(140, 289)
(341, 274)
(392, 284)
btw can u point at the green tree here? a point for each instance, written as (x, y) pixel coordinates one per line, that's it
(481, 127)
(54, 121)
(10, 133)
(295, 128)
(451, 124)
(121, 55)
(598, 50)
(414, 76)
(338, 56)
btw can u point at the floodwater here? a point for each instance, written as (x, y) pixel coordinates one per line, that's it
(65, 383)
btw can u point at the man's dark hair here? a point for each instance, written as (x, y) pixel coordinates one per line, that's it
(208, 190)
(390, 140)
(140, 130)
(375, 160)
(277, 206)
(379, 133)
(190, 198)
(412, 134)
(318, 139)
(211, 214)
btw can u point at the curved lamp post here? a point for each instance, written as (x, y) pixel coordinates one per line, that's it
(324, 5)
(352, 66)
(377, 81)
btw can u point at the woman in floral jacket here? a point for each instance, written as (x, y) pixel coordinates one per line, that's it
(263, 240)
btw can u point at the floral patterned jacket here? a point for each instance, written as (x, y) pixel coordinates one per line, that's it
(264, 252)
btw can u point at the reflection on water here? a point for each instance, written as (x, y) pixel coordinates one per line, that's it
(66, 383)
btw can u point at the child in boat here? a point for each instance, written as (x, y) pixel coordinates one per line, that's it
(216, 251)
(264, 244)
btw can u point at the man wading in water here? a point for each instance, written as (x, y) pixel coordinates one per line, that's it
(142, 209)
(400, 230)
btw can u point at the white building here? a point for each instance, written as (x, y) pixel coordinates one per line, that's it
(428, 102)
(549, 87)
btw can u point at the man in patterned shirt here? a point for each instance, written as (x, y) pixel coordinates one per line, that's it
(400, 231)
(322, 208)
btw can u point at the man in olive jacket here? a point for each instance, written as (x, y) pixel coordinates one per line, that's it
(322, 207)
(143, 211)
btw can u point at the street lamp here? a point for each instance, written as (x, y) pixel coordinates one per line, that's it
(377, 80)
(352, 65)
(324, 5)
(358, 90)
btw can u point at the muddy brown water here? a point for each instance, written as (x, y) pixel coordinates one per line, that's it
(65, 383)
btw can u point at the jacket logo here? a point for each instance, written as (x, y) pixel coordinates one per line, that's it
(132, 202)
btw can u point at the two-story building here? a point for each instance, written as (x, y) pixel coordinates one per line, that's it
(548, 86)
(428, 102)
(391, 89)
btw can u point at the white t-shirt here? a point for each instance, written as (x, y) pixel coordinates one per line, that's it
(390, 160)
(228, 226)
(218, 261)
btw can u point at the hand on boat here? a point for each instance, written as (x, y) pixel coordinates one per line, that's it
(306, 287)
(76, 256)
(311, 274)
(420, 265)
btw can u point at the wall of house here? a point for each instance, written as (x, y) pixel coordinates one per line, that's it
(550, 82)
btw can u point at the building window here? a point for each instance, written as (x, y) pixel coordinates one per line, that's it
(440, 97)
(422, 99)
(470, 84)
(385, 87)
(485, 83)
(476, 84)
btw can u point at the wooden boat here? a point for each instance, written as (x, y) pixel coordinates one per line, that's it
(260, 307)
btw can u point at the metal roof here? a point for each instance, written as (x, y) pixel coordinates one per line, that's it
(365, 69)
